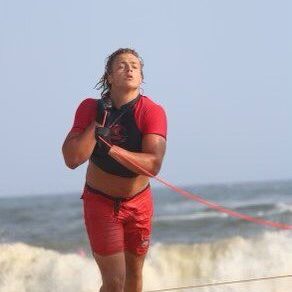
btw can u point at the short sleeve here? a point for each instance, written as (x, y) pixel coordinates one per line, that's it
(154, 121)
(85, 114)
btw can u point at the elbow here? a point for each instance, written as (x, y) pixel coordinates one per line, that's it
(155, 171)
(71, 161)
(71, 165)
(156, 167)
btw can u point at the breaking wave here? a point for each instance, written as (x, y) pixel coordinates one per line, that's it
(25, 268)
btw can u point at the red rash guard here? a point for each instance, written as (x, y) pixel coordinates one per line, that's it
(139, 117)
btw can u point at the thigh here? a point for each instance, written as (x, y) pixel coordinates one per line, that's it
(137, 230)
(134, 264)
(137, 237)
(112, 268)
(105, 232)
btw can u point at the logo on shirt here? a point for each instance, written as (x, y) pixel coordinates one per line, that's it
(118, 134)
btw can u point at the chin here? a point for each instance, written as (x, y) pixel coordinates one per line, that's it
(130, 86)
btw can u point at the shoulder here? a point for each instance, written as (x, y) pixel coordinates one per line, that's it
(151, 117)
(88, 103)
(85, 114)
(87, 106)
(87, 109)
(147, 104)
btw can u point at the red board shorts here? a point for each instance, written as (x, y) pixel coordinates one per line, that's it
(118, 224)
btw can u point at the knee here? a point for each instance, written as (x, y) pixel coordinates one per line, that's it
(133, 274)
(113, 284)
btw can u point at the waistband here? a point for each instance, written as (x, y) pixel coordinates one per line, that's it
(120, 199)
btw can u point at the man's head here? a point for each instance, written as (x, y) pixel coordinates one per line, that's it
(124, 68)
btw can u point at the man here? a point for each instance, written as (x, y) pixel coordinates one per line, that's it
(118, 133)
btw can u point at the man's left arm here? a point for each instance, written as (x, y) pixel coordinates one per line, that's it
(150, 159)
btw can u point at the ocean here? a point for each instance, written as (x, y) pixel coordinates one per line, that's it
(44, 247)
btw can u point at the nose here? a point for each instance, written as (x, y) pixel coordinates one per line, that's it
(129, 68)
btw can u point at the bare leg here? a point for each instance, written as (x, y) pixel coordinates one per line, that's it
(113, 271)
(134, 266)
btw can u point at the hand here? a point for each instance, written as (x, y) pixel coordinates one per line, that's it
(105, 133)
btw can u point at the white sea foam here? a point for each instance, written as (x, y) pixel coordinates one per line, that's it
(24, 268)
(279, 208)
(284, 207)
(231, 259)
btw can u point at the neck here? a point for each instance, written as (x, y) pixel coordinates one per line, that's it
(120, 97)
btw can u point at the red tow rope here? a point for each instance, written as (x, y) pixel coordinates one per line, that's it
(209, 204)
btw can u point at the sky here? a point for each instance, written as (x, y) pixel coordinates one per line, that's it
(221, 69)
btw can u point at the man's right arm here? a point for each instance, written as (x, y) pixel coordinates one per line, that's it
(77, 147)
(80, 141)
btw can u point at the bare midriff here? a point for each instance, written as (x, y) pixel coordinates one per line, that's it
(114, 185)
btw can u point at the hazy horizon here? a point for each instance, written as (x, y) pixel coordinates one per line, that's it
(156, 187)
